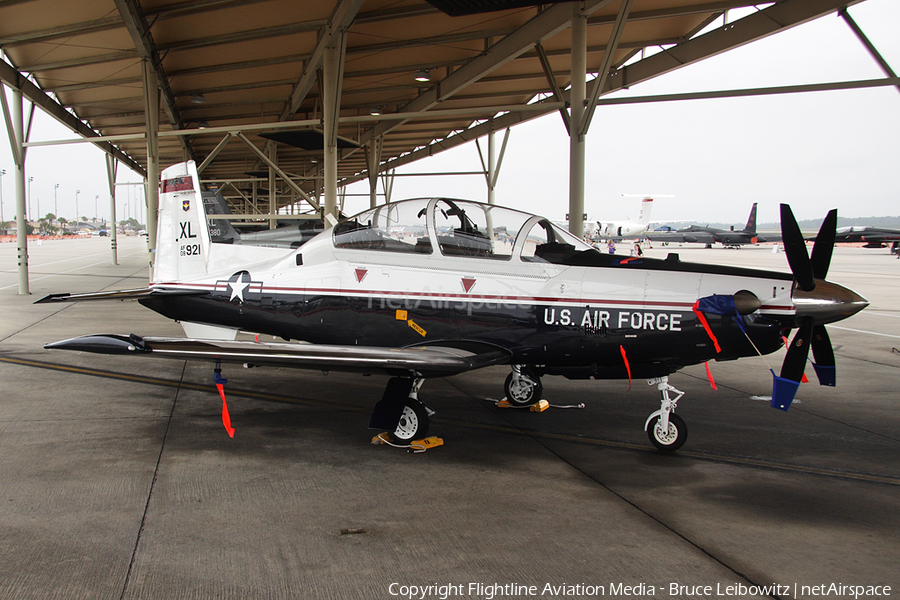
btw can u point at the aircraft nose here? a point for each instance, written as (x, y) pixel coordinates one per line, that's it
(827, 302)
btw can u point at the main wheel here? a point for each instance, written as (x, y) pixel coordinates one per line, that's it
(413, 422)
(670, 440)
(524, 392)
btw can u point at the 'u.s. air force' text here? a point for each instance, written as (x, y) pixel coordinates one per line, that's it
(602, 320)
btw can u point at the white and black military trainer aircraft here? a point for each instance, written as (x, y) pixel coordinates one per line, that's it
(435, 287)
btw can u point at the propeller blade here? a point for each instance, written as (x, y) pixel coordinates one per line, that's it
(823, 355)
(795, 248)
(795, 361)
(824, 246)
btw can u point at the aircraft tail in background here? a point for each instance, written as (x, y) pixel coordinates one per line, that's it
(751, 221)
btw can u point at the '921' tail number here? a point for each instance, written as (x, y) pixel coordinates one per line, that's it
(190, 250)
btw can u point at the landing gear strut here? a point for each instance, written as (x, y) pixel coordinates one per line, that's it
(667, 431)
(522, 387)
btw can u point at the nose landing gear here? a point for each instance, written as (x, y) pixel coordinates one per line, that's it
(667, 431)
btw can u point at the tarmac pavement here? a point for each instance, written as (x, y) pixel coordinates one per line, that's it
(118, 480)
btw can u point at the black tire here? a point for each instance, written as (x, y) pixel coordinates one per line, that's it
(525, 393)
(413, 422)
(673, 439)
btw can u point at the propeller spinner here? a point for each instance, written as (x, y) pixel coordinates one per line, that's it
(817, 302)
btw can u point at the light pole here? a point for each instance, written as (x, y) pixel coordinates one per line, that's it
(96, 213)
(30, 212)
(76, 206)
(55, 204)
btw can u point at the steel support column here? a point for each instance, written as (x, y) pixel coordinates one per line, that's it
(373, 157)
(111, 168)
(332, 67)
(576, 138)
(151, 109)
(18, 132)
(273, 192)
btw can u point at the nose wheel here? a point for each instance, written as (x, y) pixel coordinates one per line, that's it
(667, 431)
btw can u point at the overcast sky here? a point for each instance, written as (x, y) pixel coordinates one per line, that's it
(817, 151)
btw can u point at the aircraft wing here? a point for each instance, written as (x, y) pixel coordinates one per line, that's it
(428, 361)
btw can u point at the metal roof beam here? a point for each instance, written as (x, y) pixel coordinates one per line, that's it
(340, 20)
(867, 43)
(34, 94)
(771, 20)
(545, 24)
(137, 26)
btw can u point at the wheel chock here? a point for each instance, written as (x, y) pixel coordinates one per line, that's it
(504, 403)
(432, 441)
(415, 446)
(539, 406)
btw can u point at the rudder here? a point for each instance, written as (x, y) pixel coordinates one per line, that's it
(182, 240)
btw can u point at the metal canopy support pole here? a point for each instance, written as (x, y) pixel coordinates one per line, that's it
(111, 167)
(603, 73)
(576, 138)
(373, 156)
(151, 110)
(332, 67)
(273, 193)
(17, 133)
(868, 44)
(387, 181)
(492, 168)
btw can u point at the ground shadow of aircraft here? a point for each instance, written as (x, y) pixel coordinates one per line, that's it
(434, 287)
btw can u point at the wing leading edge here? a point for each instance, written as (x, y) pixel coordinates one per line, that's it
(427, 361)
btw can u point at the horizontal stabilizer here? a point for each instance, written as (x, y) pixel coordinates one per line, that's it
(115, 295)
(425, 361)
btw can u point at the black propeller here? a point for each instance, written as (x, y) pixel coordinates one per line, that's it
(824, 246)
(806, 271)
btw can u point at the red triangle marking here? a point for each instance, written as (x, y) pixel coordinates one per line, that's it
(468, 282)
(361, 274)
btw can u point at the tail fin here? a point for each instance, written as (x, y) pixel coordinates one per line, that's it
(751, 221)
(182, 240)
(646, 205)
(220, 230)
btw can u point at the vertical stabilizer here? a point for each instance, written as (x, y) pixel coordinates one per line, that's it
(751, 221)
(182, 241)
(646, 205)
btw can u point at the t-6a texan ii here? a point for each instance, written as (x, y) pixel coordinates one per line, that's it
(434, 287)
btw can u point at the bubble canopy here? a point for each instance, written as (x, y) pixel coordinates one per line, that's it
(463, 228)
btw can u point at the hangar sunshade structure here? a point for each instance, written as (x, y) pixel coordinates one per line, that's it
(312, 96)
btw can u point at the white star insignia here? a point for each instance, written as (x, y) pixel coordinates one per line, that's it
(237, 289)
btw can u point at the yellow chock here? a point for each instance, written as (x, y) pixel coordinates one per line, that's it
(539, 406)
(427, 443)
(504, 403)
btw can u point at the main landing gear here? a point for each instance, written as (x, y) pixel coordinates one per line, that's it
(401, 412)
(522, 387)
(667, 430)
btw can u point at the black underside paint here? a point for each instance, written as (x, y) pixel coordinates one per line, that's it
(557, 340)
